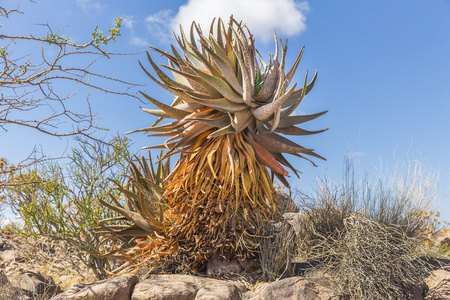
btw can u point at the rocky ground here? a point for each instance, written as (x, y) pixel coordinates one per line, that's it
(44, 269)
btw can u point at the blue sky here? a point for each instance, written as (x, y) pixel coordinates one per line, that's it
(384, 71)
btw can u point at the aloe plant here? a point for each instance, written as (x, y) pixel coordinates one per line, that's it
(231, 112)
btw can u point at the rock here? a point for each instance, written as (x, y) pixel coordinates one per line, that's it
(3, 243)
(118, 288)
(8, 291)
(439, 284)
(289, 204)
(296, 220)
(218, 292)
(35, 284)
(164, 290)
(440, 236)
(11, 256)
(297, 288)
(186, 287)
(220, 266)
(416, 294)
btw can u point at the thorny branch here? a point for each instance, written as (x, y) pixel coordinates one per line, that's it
(30, 84)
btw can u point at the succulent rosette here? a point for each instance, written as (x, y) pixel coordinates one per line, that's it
(231, 113)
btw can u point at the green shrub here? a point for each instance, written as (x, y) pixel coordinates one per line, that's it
(61, 201)
(369, 236)
(444, 247)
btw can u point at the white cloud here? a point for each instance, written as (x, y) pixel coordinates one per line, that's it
(138, 41)
(128, 22)
(89, 5)
(287, 17)
(162, 17)
(159, 24)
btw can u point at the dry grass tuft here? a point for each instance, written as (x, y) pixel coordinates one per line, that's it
(61, 262)
(368, 237)
(8, 291)
(277, 249)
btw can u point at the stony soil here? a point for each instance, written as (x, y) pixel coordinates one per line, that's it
(42, 268)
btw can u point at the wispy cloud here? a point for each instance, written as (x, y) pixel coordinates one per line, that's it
(159, 24)
(128, 22)
(89, 5)
(138, 41)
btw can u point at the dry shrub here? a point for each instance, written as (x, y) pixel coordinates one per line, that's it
(277, 241)
(58, 259)
(369, 236)
(8, 291)
(277, 248)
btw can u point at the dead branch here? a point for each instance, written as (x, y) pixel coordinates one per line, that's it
(33, 87)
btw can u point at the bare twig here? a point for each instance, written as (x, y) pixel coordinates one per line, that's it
(31, 84)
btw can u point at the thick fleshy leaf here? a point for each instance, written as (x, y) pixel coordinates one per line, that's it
(298, 131)
(165, 54)
(281, 85)
(156, 112)
(241, 120)
(265, 112)
(208, 91)
(226, 70)
(293, 107)
(283, 180)
(166, 79)
(221, 86)
(170, 110)
(294, 67)
(188, 107)
(275, 120)
(222, 53)
(295, 120)
(201, 57)
(220, 122)
(247, 86)
(221, 104)
(294, 98)
(286, 163)
(279, 145)
(136, 218)
(269, 85)
(174, 91)
(192, 132)
(313, 154)
(160, 146)
(246, 51)
(189, 55)
(266, 158)
(225, 130)
(161, 128)
(182, 65)
(179, 78)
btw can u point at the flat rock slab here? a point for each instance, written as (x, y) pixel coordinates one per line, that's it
(10, 256)
(117, 288)
(296, 288)
(185, 287)
(35, 284)
(439, 284)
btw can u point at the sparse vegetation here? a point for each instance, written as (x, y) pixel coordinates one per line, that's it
(368, 236)
(8, 291)
(61, 201)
